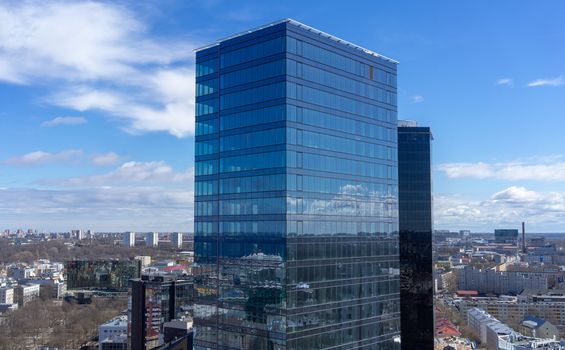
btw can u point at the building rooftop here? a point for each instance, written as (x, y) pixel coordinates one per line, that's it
(303, 26)
(117, 321)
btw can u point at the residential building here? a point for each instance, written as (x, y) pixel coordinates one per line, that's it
(77, 234)
(537, 327)
(499, 336)
(478, 320)
(129, 239)
(23, 294)
(176, 239)
(145, 260)
(152, 239)
(416, 227)
(6, 295)
(500, 282)
(155, 300)
(296, 224)
(112, 335)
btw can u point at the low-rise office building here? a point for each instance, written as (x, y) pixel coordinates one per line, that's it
(112, 335)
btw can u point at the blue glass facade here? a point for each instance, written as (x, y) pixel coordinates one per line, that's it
(296, 214)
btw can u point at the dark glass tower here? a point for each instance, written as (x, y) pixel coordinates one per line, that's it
(155, 300)
(415, 222)
(296, 224)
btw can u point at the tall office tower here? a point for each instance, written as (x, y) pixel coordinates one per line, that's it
(415, 222)
(152, 239)
(296, 226)
(155, 300)
(129, 239)
(176, 239)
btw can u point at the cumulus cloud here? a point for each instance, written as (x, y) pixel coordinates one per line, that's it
(417, 99)
(100, 56)
(538, 169)
(65, 121)
(547, 82)
(508, 207)
(41, 157)
(505, 82)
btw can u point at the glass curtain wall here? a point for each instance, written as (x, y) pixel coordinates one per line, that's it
(296, 219)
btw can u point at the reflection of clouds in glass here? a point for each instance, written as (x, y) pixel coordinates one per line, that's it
(358, 190)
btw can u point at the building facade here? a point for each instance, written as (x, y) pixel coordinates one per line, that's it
(416, 227)
(6, 295)
(176, 239)
(113, 335)
(505, 235)
(152, 239)
(500, 282)
(129, 239)
(25, 293)
(296, 224)
(155, 300)
(104, 275)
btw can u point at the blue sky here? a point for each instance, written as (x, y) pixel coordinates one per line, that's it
(96, 104)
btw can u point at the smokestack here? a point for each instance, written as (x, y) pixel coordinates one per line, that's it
(524, 250)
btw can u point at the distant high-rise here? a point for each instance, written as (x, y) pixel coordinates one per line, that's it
(77, 234)
(176, 239)
(416, 227)
(129, 239)
(152, 239)
(296, 227)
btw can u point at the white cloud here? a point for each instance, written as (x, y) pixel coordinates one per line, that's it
(102, 209)
(508, 207)
(135, 196)
(101, 57)
(41, 157)
(65, 121)
(547, 82)
(131, 173)
(139, 196)
(537, 169)
(105, 159)
(505, 82)
(417, 99)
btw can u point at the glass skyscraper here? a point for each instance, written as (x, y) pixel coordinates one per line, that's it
(416, 227)
(296, 219)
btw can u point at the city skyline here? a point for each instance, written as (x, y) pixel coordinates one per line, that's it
(98, 118)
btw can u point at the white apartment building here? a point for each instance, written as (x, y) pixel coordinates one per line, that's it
(6, 295)
(129, 239)
(152, 239)
(176, 239)
(23, 294)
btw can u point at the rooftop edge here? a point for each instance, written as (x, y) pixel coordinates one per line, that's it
(304, 26)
